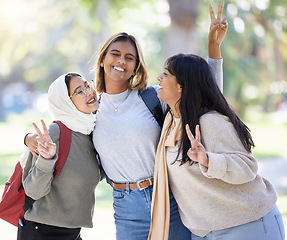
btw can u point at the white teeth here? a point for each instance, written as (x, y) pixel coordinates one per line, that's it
(91, 100)
(119, 69)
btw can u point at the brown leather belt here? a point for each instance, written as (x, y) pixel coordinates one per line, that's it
(142, 184)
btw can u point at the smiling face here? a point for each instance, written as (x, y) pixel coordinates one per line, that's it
(83, 95)
(119, 65)
(170, 89)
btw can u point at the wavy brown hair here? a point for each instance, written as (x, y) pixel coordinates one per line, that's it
(139, 80)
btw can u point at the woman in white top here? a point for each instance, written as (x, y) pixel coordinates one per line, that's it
(126, 134)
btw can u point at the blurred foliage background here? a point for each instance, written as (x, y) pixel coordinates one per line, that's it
(42, 39)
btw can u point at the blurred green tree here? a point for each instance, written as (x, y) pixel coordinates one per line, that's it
(254, 53)
(41, 39)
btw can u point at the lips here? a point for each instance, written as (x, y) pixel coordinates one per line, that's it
(118, 69)
(91, 101)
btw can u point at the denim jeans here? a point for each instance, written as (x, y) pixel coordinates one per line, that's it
(269, 227)
(133, 215)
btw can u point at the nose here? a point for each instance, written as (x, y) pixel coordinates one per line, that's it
(89, 91)
(121, 60)
(159, 78)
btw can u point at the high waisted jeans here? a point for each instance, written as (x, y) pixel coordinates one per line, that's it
(269, 227)
(133, 215)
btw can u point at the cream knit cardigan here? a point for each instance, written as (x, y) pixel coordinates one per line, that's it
(228, 193)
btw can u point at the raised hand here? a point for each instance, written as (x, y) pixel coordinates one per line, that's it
(218, 27)
(197, 152)
(46, 147)
(32, 143)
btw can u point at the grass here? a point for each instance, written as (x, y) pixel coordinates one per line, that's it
(104, 195)
(269, 134)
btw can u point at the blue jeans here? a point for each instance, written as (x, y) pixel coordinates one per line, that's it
(269, 227)
(133, 214)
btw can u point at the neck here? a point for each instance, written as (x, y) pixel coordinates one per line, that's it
(175, 111)
(115, 87)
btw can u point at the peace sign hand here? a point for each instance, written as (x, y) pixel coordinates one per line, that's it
(218, 27)
(197, 152)
(46, 147)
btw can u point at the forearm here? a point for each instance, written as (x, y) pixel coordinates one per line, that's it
(214, 51)
(233, 168)
(38, 181)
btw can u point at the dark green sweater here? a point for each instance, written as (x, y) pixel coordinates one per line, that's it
(68, 200)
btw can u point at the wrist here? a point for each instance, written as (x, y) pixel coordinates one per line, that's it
(48, 156)
(214, 51)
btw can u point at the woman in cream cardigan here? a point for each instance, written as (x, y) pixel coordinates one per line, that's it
(213, 175)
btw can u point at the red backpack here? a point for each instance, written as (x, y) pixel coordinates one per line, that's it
(14, 198)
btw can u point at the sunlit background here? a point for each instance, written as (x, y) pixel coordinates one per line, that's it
(42, 39)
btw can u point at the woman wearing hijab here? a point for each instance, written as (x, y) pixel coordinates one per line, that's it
(64, 204)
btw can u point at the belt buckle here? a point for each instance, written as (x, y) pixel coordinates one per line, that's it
(141, 181)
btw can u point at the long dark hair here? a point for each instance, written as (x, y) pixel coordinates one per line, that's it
(201, 94)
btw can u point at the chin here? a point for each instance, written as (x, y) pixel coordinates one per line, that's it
(162, 98)
(159, 95)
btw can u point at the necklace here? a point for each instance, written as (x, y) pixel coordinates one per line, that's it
(116, 107)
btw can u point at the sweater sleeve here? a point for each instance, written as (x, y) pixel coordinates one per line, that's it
(38, 177)
(228, 159)
(216, 66)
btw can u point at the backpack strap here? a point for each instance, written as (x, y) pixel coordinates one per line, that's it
(149, 96)
(14, 202)
(64, 147)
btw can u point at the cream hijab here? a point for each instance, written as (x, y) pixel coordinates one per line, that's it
(62, 108)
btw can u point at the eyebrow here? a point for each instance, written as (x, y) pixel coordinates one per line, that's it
(166, 69)
(115, 50)
(80, 86)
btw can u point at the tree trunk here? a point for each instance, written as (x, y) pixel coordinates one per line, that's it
(181, 36)
(2, 114)
(279, 62)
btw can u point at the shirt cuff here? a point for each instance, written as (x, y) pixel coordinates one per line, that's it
(46, 165)
(217, 166)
